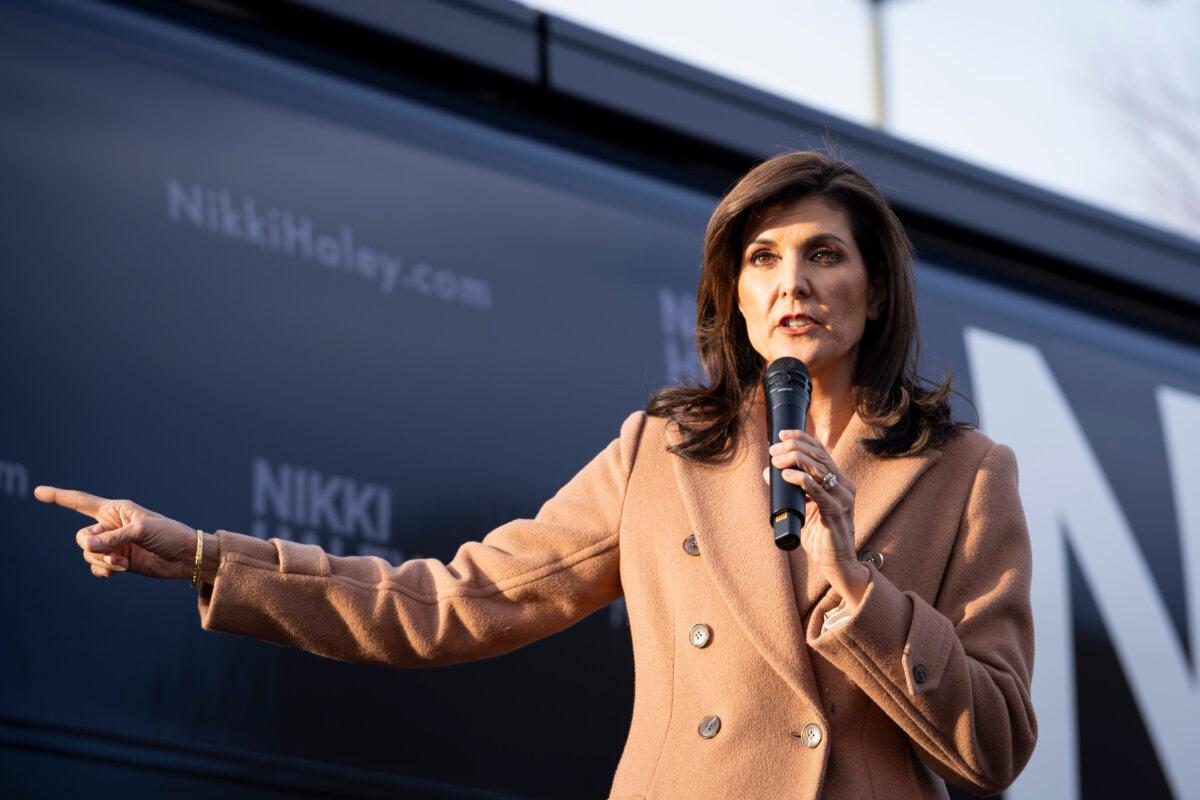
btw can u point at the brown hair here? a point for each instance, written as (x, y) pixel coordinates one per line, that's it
(905, 418)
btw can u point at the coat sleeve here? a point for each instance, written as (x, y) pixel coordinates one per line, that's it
(955, 676)
(526, 579)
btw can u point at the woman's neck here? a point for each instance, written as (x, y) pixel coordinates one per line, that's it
(830, 409)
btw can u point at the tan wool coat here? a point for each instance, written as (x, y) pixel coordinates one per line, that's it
(927, 682)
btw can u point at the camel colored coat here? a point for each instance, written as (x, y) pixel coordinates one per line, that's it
(928, 680)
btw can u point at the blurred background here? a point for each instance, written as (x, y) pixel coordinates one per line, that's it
(1096, 101)
(254, 252)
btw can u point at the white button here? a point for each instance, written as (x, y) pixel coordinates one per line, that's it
(701, 634)
(811, 734)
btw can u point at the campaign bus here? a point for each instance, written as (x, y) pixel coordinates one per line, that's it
(279, 268)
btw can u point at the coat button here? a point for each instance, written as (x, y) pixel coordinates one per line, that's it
(709, 726)
(811, 734)
(690, 547)
(919, 673)
(701, 634)
(872, 556)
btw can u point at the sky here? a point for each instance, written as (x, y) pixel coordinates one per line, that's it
(1096, 100)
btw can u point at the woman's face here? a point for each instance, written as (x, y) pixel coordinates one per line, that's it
(802, 260)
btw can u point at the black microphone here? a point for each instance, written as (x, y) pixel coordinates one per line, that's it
(787, 389)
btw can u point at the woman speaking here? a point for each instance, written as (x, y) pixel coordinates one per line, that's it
(890, 654)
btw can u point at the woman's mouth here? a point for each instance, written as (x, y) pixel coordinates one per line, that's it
(797, 330)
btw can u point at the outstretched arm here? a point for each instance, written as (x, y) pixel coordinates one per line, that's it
(956, 677)
(525, 580)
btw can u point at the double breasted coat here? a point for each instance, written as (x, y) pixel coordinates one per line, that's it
(927, 681)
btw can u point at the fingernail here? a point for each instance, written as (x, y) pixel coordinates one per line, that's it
(93, 542)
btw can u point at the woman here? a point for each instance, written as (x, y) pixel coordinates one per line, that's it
(890, 654)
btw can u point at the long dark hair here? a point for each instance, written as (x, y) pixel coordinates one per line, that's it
(904, 417)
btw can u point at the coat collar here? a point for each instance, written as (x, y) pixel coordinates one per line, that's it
(728, 508)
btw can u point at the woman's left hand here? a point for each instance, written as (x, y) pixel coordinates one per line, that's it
(828, 532)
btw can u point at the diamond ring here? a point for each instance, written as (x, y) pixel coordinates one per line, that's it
(829, 482)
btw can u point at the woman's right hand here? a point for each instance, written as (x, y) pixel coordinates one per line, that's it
(129, 537)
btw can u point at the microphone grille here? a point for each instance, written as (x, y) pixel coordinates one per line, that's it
(787, 373)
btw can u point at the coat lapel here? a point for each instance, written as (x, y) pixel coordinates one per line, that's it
(728, 508)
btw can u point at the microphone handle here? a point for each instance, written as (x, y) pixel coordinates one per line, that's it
(786, 410)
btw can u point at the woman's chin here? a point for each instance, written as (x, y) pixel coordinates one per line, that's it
(799, 350)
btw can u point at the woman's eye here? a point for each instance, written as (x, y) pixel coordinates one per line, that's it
(827, 254)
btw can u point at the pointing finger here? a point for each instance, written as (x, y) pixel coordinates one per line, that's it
(82, 502)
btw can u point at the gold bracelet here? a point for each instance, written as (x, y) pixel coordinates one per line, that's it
(199, 553)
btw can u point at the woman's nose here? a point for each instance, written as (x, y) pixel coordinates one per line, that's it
(794, 278)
